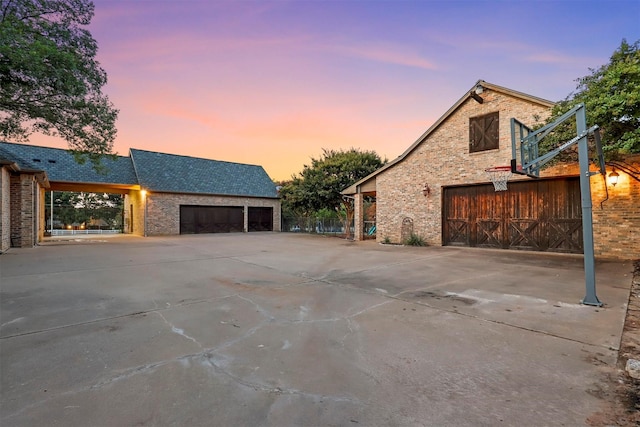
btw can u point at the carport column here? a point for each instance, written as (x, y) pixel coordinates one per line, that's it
(358, 217)
(246, 218)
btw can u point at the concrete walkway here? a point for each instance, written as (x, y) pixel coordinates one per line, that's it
(270, 329)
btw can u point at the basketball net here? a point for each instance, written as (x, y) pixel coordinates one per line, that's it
(499, 175)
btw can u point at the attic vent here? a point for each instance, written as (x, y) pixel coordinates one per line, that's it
(51, 161)
(36, 160)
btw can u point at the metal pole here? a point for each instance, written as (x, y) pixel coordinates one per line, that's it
(587, 219)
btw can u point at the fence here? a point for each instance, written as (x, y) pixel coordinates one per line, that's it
(312, 225)
(324, 226)
(56, 232)
(69, 220)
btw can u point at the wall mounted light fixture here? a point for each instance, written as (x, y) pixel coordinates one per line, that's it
(426, 191)
(476, 97)
(613, 177)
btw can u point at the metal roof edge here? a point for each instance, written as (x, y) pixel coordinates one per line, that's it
(213, 194)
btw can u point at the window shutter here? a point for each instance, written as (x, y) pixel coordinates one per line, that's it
(484, 132)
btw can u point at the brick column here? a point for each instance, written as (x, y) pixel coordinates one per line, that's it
(358, 217)
(23, 215)
(246, 218)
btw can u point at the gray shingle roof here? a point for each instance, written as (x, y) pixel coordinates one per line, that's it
(152, 171)
(61, 166)
(182, 174)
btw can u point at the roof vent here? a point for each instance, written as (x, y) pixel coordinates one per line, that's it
(51, 161)
(36, 160)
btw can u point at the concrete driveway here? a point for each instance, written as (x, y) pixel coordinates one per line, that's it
(270, 329)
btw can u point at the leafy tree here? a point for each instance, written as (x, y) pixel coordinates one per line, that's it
(611, 95)
(319, 185)
(80, 208)
(50, 81)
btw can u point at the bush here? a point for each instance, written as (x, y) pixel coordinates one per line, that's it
(415, 240)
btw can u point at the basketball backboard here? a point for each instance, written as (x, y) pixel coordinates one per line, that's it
(524, 150)
(528, 157)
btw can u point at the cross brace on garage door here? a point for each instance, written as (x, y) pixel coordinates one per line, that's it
(527, 160)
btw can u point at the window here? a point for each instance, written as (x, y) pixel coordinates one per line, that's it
(483, 133)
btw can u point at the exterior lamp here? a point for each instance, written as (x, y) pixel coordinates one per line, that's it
(475, 94)
(426, 191)
(613, 177)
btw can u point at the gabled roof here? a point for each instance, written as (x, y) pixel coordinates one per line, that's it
(530, 98)
(150, 170)
(61, 166)
(181, 174)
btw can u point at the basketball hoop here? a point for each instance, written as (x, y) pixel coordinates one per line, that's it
(499, 175)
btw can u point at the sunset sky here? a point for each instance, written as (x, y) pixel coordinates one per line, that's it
(274, 82)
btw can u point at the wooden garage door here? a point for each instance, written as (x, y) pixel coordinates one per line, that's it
(260, 219)
(211, 219)
(537, 215)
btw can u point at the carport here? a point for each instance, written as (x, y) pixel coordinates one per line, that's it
(165, 194)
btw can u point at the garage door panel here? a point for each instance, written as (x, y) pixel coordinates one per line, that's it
(260, 219)
(458, 232)
(540, 215)
(457, 220)
(211, 219)
(527, 234)
(236, 220)
(565, 235)
(187, 220)
(489, 233)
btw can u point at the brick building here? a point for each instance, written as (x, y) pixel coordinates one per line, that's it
(438, 188)
(164, 194)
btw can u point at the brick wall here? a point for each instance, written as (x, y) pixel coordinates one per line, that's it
(23, 192)
(134, 201)
(616, 219)
(444, 159)
(5, 212)
(15, 195)
(163, 209)
(41, 209)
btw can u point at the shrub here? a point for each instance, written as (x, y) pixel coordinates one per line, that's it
(415, 240)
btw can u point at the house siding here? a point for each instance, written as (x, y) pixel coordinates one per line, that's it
(616, 215)
(163, 210)
(443, 159)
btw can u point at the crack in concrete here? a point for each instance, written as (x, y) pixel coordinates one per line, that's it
(178, 330)
(11, 321)
(260, 310)
(106, 319)
(207, 354)
(207, 359)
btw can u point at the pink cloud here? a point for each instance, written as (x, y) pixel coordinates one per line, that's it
(389, 54)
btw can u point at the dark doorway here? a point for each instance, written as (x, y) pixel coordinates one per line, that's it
(211, 219)
(260, 219)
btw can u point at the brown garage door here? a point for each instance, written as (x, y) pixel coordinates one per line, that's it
(260, 219)
(211, 219)
(536, 215)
